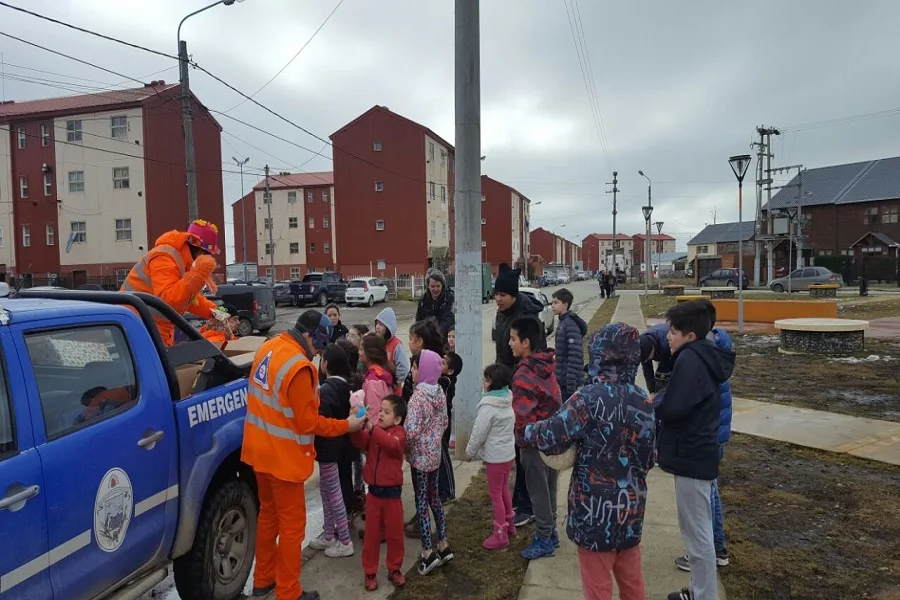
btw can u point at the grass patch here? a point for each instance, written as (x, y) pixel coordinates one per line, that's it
(474, 572)
(808, 524)
(852, 385)
(404, 295)
(600, 319)
(875, 308)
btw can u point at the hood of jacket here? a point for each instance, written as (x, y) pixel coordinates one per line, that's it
(614, 354)
(542, 363)
(379, 372)
(430, 366)
(339, 384)
(571, 316)
(525, 304)
(388, 318)
(718, 361)
(501, 398)
(432, 394)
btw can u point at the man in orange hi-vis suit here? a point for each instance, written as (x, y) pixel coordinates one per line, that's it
(175, 270)
(279, 432)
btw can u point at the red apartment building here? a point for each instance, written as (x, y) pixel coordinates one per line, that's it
(394, 181)
(504, 224)
(89, 182)
(660, 243)
(554, 249)
(302, 223)
(596, 246)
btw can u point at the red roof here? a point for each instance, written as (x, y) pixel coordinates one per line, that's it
(88, 102)
(655, 236)
(278, 181)
(608, 236)
(385, 109)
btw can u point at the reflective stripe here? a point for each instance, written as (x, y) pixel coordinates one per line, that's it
(139, 270)
(155, 500)
(270, 398)
(279, 432)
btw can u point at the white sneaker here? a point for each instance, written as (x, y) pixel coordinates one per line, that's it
(339, 550)
(322, 543)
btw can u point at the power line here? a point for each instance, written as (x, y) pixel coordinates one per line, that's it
(844, 120)
(293, 58)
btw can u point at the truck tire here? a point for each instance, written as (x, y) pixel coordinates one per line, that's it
(245, 328)
(218, 564)
(323, 299)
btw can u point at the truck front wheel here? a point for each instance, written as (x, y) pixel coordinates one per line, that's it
(219, 562)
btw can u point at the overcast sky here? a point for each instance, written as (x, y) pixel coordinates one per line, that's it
(680, 87)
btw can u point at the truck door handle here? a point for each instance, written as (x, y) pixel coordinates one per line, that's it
(14, 501)
(150, 438)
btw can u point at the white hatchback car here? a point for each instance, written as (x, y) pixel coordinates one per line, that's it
(365, 290)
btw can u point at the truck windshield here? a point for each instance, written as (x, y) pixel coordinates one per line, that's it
(310, 278)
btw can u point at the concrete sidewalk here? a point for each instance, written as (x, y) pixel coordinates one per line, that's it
(560, 577)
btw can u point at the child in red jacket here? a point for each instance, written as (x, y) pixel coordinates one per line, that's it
(384, 444)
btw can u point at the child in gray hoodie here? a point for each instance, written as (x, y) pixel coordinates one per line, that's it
(386, 327)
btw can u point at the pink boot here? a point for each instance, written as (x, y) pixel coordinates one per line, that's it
(511, 525)
(499, 540)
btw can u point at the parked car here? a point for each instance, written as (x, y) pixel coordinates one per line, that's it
(121, 457)
(582, 276)
(254, 305)
(319, 288)
(281, 292)
(725, 278)
(801, 279)
(561, 278)
(365, 290)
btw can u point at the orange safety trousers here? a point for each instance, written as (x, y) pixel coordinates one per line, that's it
(279, 536)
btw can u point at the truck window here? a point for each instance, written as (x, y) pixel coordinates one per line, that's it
(83, 374)
(7, 439)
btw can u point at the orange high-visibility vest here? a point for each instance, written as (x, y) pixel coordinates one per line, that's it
(138, 280)
(278, 430)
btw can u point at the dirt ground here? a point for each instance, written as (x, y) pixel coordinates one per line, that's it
(863, 385)
(869, 308)
(474, 572)
(804, 524)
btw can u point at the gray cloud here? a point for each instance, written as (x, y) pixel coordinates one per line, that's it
(681, 86)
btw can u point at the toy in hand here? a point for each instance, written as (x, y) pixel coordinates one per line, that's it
(361, 412)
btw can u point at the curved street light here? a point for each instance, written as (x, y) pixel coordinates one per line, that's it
(648, 213)
(739, 165)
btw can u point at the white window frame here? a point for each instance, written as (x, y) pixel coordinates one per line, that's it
(267, 223)
(267, 197)
(123, 230)
(295, 272)
(379, 225)
(379, 186)
(312, 247)
(293, 223)
(381, 266)
(20, 134)
(74, 132)
(121, 178)
(433, 228)
(431, 190)
(326, 248)
(431, 152)
(444, 195)
(292, 197)
(121, 276)
(48, 184)
(268, 249)
(325, 196)
(23, 187)
(1, 236)
(79, 228)
(312, 222)
(325, 223)
(49, 234)
(310, 197)
(294, 248)
(376, 146)
(118, 130)
(45, 135)
(26, 236)
(76, 182)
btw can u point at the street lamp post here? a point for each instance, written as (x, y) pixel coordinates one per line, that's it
(659, 226)
(648, 212)
(190, 165)
(739, 165)
(240, 164)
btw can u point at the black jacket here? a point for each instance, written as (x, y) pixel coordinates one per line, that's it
(338, 331)
(334, 403)
(524, 306)
(688, 410)
(441, 309)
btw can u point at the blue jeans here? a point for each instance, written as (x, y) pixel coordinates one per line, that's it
(718, 520)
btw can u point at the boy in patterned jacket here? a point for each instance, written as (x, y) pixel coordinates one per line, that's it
(536, 397)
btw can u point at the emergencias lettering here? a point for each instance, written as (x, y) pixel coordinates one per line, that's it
(217, 407)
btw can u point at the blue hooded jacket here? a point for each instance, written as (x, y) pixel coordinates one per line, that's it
(721, 338)
(610, 422)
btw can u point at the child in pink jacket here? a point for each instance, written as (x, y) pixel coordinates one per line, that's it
(379, 380)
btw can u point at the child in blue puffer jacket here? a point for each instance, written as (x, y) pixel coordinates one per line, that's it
(721, 339)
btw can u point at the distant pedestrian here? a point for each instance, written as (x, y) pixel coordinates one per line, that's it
(570, 334)
(601, 279)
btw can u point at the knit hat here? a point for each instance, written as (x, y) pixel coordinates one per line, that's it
(317, 325)
(507, 280)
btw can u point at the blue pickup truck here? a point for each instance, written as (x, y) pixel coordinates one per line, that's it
(119, 457)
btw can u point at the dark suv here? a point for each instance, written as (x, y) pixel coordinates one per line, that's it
(319, 288)
(725, 278)
(255, 306)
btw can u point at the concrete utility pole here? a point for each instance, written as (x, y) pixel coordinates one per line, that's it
(763, 178)
(270, 227)
(240, 164)
(792, 215)
(187, 119)
(467, 204)
(615, 242)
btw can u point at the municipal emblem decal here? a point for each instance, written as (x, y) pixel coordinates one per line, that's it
(261, 374)
(113, 510)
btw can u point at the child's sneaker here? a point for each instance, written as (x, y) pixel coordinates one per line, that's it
(371, 583)
(539, 548)
(498, 540)
(397, 578)
(322, 543)
(339, 550)
(554, 537)
(429, 564)
(446, 554)
(684, 594)
(511, 525)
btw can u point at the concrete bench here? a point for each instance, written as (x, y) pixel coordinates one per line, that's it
(688, 298)
(673, 290)
(821, 336)
(824, 290)
(718, 292)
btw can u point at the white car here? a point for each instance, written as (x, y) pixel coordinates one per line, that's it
(562, 278)
(365, 290)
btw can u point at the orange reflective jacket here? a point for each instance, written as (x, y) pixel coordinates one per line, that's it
(283, 412)
(165, 272)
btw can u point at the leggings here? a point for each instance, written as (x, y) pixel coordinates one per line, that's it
(336, 524)
(426, 487)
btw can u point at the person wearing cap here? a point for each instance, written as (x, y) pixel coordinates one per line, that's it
(279, 444)
(437, 302)
(176, 270)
